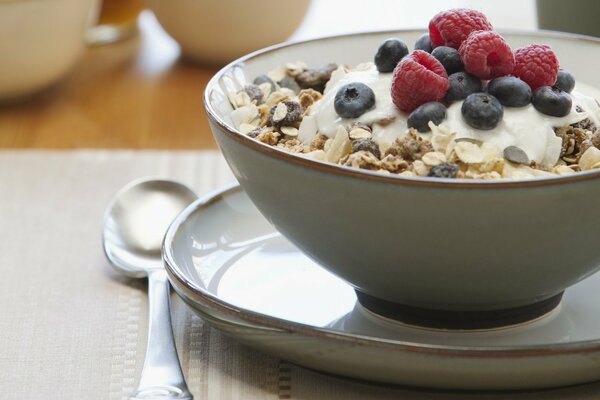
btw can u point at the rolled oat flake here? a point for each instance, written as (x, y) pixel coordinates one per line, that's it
(516, 155)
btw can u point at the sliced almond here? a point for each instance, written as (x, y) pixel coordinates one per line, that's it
(433, 158)
(563, 170)
(245, 128)
(281, 111)
(266, 89)
(589, 159)
(244, 115)
(316, 155)
(360, 133)
(289, 131)
(277, 74)
(239, 99)
(340, 146)
(518, 174)
(420, 168)
(440, 139)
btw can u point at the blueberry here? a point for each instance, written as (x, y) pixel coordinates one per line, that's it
(389, 54)
(510, 90)
(433, 111)
(565, 80)
(449, 58)
(462, 84)
(551, 100)
(443, 170)
(482, 111)
(353, 100)
(423, 43)
(259, 80)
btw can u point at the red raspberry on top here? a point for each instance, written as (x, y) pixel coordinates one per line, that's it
(486, 55)
(417, 79)
(537, 65)
(452, 27)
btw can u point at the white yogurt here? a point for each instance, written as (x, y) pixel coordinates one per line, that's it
(523, 127)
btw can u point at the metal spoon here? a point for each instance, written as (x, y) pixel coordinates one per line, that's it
(134, 227)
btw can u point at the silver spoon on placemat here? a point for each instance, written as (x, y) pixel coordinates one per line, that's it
(134, 227)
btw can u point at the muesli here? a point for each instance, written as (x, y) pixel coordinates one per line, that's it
(462, 104)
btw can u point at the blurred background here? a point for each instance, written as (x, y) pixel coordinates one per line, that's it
(130, 73)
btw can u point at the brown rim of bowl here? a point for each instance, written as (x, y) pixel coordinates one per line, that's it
(180, 281)
(326, 167)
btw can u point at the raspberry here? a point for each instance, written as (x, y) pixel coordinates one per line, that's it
(487, 55)
(537, 65)
(450, 28)
(418, 79)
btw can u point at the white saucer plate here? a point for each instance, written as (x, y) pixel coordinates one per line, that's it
(239, 274)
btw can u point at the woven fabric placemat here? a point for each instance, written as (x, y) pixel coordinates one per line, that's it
(72, 328)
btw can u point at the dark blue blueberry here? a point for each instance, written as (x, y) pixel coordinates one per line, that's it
(510, 90)
(551, 100)
(353, 100)
(565, 80)
(423, 43)
(482, 111)
(443, 170)
(462, 84)
(449, 58)
(433, 111)
(259, 80)
(389, 54)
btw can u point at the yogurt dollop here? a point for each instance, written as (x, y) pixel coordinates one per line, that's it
(524, 127)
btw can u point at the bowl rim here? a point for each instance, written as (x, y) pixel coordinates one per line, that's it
(187, 288)
(396, 179)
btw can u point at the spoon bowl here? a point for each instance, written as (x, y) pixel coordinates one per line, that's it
(134, 227)
(136, 221)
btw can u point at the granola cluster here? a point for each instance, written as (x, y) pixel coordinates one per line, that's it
(272, 108)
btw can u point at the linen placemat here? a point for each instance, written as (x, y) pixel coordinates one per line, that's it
(72, 328)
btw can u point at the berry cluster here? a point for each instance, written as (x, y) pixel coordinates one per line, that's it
(463, 58)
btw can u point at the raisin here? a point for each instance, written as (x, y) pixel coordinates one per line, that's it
(316, 78)
(255, 93)
(259, 80)
(366, 145)
(443, 170)
(285, 113)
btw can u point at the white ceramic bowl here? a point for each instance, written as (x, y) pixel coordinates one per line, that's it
(420, 247)
(218, 31)
(40, 41)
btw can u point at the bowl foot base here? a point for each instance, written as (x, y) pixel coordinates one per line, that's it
(458, 320)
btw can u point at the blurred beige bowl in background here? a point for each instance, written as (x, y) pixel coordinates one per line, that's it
(218, 31)
(40, 41)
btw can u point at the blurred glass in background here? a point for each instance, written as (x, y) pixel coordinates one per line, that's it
(578, 16)
(117, 21)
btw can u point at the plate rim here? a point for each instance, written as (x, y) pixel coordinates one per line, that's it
(180, 281)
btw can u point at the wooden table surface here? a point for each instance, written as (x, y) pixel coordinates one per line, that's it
(139, 94)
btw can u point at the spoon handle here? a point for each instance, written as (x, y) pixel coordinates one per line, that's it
(162, 377)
